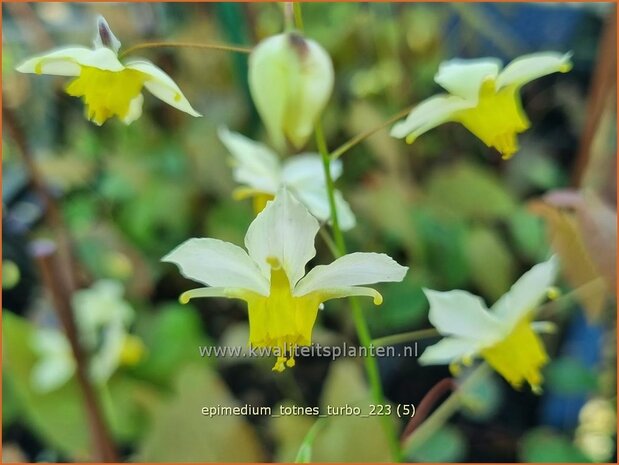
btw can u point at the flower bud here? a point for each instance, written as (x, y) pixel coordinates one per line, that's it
(290, 79)
(104, 36)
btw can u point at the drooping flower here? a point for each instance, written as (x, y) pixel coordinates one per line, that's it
(291, 80)
(482, 98)
(282, 300)
(262, 173)
(102, 319)
(108, 87)
(505, 335)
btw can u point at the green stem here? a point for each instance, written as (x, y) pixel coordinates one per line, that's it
(298, 16)
(330, 242)
(220, 47)
(405, 337)
(326, 163)
(346, 146)
(363, 332)
(304, 455)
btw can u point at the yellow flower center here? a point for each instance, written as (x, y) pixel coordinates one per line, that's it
(497, 118)
(106, 93)
(519, 357)
(259, 199)
(281, 320)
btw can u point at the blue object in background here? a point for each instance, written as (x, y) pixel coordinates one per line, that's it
(507, 30)
(583, 342)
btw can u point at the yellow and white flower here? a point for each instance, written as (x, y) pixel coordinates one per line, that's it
(291, 80)
(483, 98)
(262, 173)
(102, 318)
(282, 300)
(108, 87)
(505, 336)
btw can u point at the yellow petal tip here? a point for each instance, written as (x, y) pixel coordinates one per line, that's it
(553, 293)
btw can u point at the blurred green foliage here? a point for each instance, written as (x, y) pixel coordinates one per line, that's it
(447, 206)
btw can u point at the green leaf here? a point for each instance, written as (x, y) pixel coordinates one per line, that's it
(10, 401)
(443, 247)
(292, 434)
(527, 231)
(180, 433)
(482, 399)
(404, 306)
(542, 445)
(570, 376)
(469, 191)
(491, 264)
(446, 445)
(349, 438)
(58, 416)
(229, 220)
(172, 339)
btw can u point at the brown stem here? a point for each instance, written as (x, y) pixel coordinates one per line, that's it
(219, 47)
(45, 253)
(602, 84)
(423, 409)
(51, 209)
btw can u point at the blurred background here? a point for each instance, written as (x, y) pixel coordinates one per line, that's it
(89, 211)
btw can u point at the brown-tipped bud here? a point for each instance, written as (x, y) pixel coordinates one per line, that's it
(291, 80)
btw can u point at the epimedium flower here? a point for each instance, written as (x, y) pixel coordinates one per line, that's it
(504, 336)
(290, 80)
(102, 318)
(107, 86)
(482, 98)
(270, 277)
(262, 173)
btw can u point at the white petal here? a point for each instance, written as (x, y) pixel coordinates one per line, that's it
(255, 164)
(447, 350)
(307, 168)
(464, 77)
(218, 263)
(352, 291)
(135, 109)
(51, 373)
(106, 360)
(98, 306)
(104, 37)
(67, 61)
(316, 199)
(527, 293)
(429, 114)
(56, 364)
(284, 230)
(162, 86)
(462, 314)
(354, 269)
(345, 216)
(304, 175)
(529, 67)
(227, 292)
